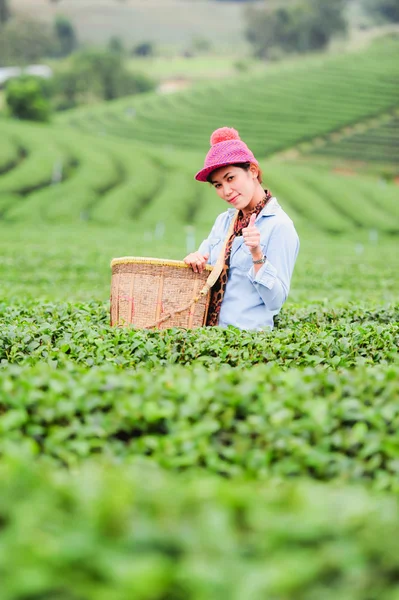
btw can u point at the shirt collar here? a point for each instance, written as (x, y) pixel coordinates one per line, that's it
(270, 209)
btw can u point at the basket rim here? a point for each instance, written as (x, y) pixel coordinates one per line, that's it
(147, 260)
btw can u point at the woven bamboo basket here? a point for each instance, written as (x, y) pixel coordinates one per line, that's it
(149, 293)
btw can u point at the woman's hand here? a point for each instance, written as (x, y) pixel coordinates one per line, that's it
(251, 235)
(196, 261)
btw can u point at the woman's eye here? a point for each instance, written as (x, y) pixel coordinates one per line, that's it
(230, 178)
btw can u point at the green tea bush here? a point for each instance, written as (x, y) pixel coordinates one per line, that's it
(132, 531)
(255, 422)
(55, 332)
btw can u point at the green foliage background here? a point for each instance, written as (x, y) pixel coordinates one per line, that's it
(26, 99)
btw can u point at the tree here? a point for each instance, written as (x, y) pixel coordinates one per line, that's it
(201, 45)
(144, 49)
(98, 75)
(65, 35)
(104, 71)
(71, 89)
(115, 45)
(25, 41)
(5, 12)
(322, 20)
(307, 25)
(26, 99)
(387, 10)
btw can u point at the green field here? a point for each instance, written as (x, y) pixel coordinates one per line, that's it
(214, 463)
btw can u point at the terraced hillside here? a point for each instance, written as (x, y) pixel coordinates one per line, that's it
(377, 143)
(285, 105)
(56, 175)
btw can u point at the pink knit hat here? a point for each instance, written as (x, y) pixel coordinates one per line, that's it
(226, 149)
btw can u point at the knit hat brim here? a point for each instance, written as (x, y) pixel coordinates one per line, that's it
(204, 173)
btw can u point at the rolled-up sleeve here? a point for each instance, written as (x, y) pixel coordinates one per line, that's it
(272, 281)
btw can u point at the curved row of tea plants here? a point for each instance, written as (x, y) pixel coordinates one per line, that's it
(69, 177)
(377, 144)
(61, 332)
(287, 104)
(335, 202)
(42, 150)
(10, 153)
(43, 184)
(66, 177)
(159, 536)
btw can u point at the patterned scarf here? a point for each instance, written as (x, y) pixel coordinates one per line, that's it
(218, 290)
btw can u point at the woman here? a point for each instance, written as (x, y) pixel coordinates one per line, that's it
(262, 245)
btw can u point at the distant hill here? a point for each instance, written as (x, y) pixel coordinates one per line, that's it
(286, 104)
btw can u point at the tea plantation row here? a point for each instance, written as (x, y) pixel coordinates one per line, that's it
(81, 333)
(253, 422)
(378, 143)
(66, 177)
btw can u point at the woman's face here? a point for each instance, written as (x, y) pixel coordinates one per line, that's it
(235, 185)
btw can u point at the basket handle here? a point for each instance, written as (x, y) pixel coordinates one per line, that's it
(210, 282)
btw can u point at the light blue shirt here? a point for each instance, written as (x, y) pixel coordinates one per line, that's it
(252, 299)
